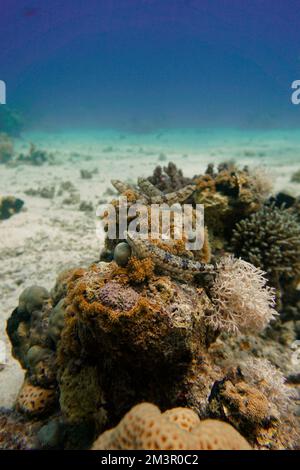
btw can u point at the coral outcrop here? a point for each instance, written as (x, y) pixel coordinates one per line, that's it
(159, 323)
(229, 194)
(9, 205)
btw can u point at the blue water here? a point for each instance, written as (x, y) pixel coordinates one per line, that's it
(142, 65)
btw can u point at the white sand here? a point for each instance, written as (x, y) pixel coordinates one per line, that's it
(48, 235)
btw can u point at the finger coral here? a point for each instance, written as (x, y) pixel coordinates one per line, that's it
(242, 301)
(270, 239)
(169, 178)
(144, 427)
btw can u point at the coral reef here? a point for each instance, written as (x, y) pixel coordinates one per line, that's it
(9, 205)
(145, 427)
(159, 326)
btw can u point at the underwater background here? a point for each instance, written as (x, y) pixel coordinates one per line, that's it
(174, 98)
(143, 65)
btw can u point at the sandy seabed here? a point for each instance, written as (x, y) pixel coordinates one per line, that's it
(50, 235)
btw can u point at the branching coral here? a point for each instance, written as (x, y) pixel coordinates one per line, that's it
(270, 239)
(169, 178)
(145, 427)
(242, 301)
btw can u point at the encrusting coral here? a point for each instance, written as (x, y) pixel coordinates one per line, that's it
(145, 427)
(270, 381)
(251, 401)
(158, 325)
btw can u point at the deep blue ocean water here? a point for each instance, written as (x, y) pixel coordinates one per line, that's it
(142, 65)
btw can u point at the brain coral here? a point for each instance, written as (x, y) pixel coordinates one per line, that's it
(270, 239)
(144, 427)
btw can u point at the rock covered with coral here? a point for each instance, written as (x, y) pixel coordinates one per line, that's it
(255, 400)
(139, 333)
(9, 205)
